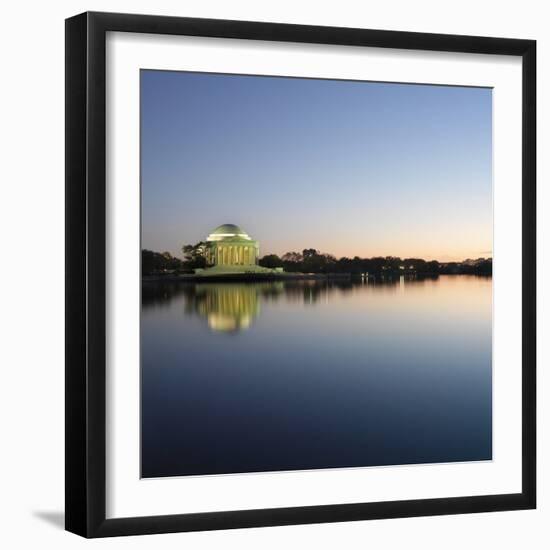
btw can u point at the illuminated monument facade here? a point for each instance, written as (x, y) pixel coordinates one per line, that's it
(229, 245)
(230, 250)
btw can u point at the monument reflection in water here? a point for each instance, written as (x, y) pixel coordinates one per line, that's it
(245, 377)
(227, 307)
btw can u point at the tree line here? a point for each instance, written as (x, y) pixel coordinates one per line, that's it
(311, 260)
(161, 262)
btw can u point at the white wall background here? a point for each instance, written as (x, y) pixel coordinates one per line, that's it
(32, 264)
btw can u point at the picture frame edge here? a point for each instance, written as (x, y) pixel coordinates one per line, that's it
(85, 401)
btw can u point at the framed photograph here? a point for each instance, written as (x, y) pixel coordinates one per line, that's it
(300, 274)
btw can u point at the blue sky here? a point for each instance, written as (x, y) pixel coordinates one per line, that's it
(350, 168)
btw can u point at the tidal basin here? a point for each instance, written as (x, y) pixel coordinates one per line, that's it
(294, 375)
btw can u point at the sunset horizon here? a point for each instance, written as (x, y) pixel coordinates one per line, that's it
(349, 168)
(371, 253)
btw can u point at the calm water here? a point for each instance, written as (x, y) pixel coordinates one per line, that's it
(244, 377)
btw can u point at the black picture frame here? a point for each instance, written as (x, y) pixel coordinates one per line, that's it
(86, 283)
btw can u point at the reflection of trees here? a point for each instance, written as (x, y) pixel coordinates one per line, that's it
(234, 306)
(311, 291)
(159, 294)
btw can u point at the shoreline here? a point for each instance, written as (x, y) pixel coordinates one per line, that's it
(255, 277)
(240, 277)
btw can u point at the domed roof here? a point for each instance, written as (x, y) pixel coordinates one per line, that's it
(227, 228)
(227, 231)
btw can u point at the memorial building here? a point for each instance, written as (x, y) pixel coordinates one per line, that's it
(229, 245)
(230, 250)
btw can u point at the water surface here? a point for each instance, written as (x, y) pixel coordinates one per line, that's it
(246, 377)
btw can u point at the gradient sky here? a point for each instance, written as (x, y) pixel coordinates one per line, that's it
(349, 168)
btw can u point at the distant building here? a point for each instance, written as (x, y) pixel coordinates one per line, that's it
(230, 250)
(229, 245)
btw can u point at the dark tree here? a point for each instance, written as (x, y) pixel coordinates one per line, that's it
(309, 253)
(156, 263)
(271, 261)
(195, 255)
